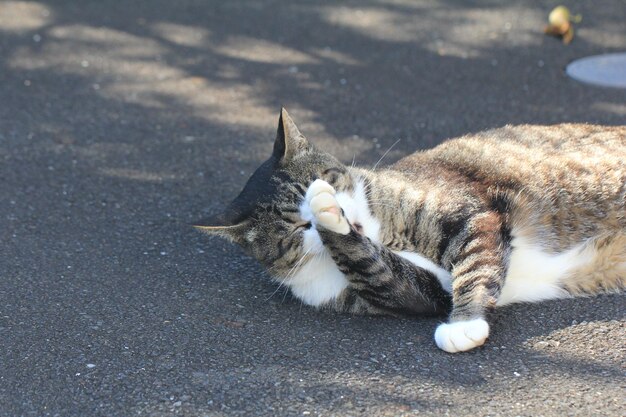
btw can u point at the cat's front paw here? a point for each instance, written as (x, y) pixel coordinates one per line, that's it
(461, 336)
(325, 208)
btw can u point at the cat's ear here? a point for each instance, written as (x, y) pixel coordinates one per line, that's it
(289, 140)
(218, 226)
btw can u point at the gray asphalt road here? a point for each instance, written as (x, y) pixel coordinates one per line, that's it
(122, 122)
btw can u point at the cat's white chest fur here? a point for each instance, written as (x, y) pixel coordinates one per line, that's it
(318, 281)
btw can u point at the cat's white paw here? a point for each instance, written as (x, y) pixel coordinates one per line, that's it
(461, 335)
(325, 208)
(317, 187)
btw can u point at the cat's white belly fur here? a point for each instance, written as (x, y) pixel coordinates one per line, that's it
(533, 275)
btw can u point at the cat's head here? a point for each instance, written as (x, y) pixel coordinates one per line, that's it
(267, 218)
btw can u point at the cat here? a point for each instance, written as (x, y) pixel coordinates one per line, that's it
(516, 214)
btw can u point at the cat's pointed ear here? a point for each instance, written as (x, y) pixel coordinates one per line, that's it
(289, 140)
(219, 226)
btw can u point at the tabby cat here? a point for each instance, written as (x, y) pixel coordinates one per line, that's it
(516, 214)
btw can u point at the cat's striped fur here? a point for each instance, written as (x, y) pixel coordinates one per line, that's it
(521, 213)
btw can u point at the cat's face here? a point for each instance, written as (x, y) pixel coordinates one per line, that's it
(268, 218)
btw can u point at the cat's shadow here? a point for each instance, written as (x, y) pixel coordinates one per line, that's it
(525, 321)
(578, 337)
(574, 337)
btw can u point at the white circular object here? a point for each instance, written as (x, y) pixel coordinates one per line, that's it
(607, 70)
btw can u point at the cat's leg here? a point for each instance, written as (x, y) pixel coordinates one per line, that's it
(477, 273)
(380, 281)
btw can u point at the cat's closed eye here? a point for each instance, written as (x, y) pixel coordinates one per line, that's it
(332, 175)
(302, 225)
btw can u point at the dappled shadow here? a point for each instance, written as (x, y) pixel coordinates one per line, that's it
(439, 68)
(121, 122)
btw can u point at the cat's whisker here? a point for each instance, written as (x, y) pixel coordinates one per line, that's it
(271, 269)
(297, 265)
(284, 295)
(289, 274)
(280, 284)
(385, 154)
(294, 270)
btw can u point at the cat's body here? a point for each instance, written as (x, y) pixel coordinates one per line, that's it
(522, 213)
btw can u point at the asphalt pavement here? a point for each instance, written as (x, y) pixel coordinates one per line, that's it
(123, 122)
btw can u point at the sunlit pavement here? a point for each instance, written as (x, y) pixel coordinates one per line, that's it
(123, 122)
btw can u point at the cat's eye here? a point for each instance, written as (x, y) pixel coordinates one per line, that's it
(331, 175)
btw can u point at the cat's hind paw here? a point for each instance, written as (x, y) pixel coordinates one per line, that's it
(461, 336)
(326, 210)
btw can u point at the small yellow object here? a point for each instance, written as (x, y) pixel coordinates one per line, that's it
(559, 15)
(560, 23)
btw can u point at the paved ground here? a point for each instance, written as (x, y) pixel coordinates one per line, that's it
(122, 122)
